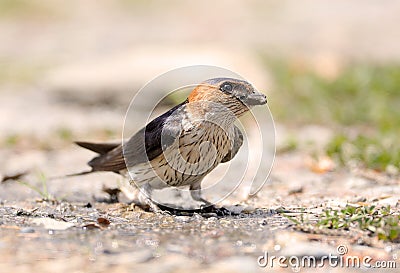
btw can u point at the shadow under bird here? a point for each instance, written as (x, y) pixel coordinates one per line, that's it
(180, 147)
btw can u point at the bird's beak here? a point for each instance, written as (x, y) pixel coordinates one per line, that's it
(256, 98)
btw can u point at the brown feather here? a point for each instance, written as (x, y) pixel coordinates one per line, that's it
(112, 161)
(110, 156)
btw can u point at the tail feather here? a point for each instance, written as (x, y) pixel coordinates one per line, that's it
(100, 148)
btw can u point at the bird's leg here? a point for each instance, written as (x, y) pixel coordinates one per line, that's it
(145, 198)
(195, 192)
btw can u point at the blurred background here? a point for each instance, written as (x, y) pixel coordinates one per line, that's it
(68, 70)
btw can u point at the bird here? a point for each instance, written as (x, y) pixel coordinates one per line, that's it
(184, 144)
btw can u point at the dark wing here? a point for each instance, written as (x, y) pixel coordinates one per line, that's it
(112, 161)
(149, 142)
(145, 145)
(108, 159)
(237, 143)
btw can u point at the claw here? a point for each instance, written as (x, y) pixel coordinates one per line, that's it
(219, 211)
(149, 205)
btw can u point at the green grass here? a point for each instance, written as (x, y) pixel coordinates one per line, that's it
(25, 8)
(42, 191)
(290, 144)
(364, 97)
(361, 94)
(374, 221)
(374, 152)
(21, 73)
(11, 140)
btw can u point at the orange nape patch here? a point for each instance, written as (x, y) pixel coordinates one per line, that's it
(203, 92)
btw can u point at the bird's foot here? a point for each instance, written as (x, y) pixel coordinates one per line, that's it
(207, 209)
(149, 206)
(219, 211)
(158, 208)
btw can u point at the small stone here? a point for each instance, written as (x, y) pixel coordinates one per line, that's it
(27, 230)
(108, 252)
(388, 201)
(182, 219)
(358, 199)
(53, 224)
(236, 209)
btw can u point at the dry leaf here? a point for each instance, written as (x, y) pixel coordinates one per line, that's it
(91, 226)
(103, 221)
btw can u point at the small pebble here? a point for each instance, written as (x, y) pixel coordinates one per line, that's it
(27, 230)
(108, 252)
(358, 199)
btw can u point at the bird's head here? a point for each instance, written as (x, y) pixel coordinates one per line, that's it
(236, 96)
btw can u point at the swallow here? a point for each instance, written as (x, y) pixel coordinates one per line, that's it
(180, 147)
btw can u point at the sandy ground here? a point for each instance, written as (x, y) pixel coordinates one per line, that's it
(70, 72)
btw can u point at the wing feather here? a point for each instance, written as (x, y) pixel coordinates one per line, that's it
(145, 145)
(237, 143)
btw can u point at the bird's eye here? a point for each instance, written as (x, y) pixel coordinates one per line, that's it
(226, 87)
